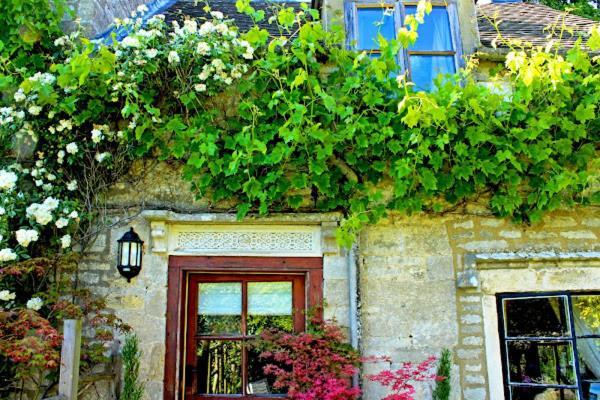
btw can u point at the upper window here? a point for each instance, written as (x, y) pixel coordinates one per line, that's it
(550, 346)
(434, 52)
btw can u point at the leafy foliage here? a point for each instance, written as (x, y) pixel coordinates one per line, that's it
(313, 365)
(27, 34)
(442, 387)
(272, 124)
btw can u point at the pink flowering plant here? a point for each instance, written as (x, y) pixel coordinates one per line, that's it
(402, 381)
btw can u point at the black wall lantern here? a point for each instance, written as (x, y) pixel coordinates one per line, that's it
(129, 262)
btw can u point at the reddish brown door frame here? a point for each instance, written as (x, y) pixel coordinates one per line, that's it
(181, 266)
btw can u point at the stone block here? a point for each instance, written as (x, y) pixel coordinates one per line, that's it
(474, 393)
(492, 222)
(510, 234)
(592, 222)
(473, 367)
(474, 379)
(335, 267)
(469, 354)
(485, 245)
(559, 222)
(440, 268)
(471, 319)
(464, 225)
(586, 235)
(472, 341)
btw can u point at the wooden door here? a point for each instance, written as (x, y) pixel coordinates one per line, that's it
(225, 312)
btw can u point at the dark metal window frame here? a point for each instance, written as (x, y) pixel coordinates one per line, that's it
(351, 20)
(501, 297)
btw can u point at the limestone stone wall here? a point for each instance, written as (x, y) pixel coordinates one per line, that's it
(425, 282)
(415, 302)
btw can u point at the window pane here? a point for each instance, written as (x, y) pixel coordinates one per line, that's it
(530, 393)
(586, 310)
(374, 21)
(269, 306)
(258, 382)
(424, 69)
(434, 33)
(220, 308)
(541, 362)
(536, 316)
(219, 367)
(589, 367)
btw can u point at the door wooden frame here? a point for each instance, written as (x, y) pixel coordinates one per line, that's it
(179, 269)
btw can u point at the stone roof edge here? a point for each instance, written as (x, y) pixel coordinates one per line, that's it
(155, 7)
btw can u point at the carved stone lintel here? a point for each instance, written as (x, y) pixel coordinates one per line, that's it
(158, 233)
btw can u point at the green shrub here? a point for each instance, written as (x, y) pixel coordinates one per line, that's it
(133, 389)
(442, 388)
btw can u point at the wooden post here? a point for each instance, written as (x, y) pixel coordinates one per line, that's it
(69, 360)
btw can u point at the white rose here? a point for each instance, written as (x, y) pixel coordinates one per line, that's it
(173, 57)
(130, 42)
(20, 96)
(51, 203)
(7, 255)
(65, 241)
(151, 53)
(72, 148)
(61, 223)
(200, 87)
(8, 179)
(2, 211)
(100, 157)
(217, 14)
(26, 236)
(97, 135)
(35, 303)
(71, 186)
(35, 110)
(203, 48)
(74, 215)
(7, 295)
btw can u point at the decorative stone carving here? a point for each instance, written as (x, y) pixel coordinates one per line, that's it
(246, 240)
(158, 232)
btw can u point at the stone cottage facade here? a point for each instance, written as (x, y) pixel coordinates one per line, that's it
(508, 300)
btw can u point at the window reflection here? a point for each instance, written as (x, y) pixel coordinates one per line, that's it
(219, 367)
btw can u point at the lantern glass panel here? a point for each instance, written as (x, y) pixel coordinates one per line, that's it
(125, 254)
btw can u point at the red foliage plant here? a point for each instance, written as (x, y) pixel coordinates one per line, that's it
(401, 381)
(312, 365)
(318, 365)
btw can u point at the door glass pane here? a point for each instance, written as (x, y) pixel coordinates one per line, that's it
(434, 33)
(269, 306)
(258, 382)
(374, 21)
(541, 362)
(532, 393)
(536, 316)
(589, 367)
(219, 367)
(424, 69)
(586, 315)
(220, 308)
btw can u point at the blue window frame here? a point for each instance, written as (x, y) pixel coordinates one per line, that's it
(550, 345)
(436, 51)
